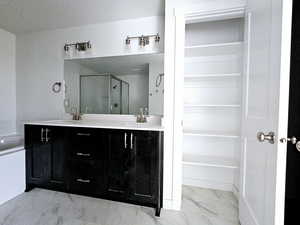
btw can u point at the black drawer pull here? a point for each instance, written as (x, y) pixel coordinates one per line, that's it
(83, 180)
(83, 154)
(83, 134)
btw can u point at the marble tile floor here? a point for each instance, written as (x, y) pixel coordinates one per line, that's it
(43, 207)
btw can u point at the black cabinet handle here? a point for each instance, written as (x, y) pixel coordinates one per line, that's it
(83, 134)
(83, 154)
(83, 180)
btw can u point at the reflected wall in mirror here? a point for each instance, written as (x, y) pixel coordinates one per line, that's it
(115, 85)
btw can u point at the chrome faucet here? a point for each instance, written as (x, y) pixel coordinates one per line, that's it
(75, 114)
(142, 117)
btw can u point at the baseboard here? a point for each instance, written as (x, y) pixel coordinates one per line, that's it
(172, 204)
(208, 184)
(235, 191)
(168, 204)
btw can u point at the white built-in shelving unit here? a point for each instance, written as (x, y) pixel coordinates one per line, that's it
(212, 103)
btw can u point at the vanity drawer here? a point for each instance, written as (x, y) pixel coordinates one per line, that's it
(84, 178)
(87, 144)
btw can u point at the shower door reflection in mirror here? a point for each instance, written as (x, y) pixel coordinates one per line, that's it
(114, 85)
(118, 96)
(103, 94)
(94, 94)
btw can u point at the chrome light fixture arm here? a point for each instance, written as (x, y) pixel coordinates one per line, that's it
(143, 39)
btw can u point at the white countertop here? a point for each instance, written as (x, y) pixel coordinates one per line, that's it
(108, 124)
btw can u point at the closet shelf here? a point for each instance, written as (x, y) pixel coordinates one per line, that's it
(203, 87)
(209, 161)
(201, 76)
(210, 106)
(230, 48)
(219, 134)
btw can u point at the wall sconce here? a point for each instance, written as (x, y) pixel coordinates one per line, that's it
(143, 40)
(79, 46)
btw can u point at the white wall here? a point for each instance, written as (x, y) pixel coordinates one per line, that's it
(7, 83)
(40, 60)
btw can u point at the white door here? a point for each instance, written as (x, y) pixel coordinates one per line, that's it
(268, 33)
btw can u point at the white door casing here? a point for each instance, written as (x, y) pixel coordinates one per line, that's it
(265, 108)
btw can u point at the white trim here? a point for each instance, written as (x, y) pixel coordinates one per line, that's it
(178, 108)
(216, 45)
(201, 76)
(169, 66)
(86, 56)
(214, 15)
(168, 204)
(208, 184)
(210, 134)
(188, 163)
(209, 161)
(286, 26)
(175, 59)
(235, 192)
(172, 204)
(211, 106)
(225, 48)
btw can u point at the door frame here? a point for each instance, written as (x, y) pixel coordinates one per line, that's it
(183, 17)
(283, 7)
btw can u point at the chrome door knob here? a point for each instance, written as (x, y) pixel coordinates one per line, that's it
(270, 137)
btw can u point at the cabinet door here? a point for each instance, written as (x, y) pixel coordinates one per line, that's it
(117, 163)
(38, 154)
(45, 156)
(144, 175)
(57, 175)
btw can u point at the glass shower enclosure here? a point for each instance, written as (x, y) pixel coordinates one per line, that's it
(103, 94)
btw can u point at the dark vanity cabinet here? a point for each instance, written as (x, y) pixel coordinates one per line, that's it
(114, 164)
(144, 166)
(86, 157)
(117, 164)
(45, 157)
(134, 167)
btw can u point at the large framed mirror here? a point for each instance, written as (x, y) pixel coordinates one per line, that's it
(115, 85)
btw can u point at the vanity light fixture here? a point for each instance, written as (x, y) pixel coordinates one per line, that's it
(143, 39)
(79, 46)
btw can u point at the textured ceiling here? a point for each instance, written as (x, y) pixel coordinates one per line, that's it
(19, 16)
